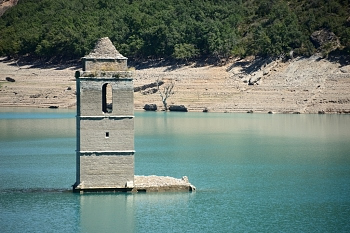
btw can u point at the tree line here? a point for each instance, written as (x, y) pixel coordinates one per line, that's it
(179, 29)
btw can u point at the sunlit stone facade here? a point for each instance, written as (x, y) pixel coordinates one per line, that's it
(105, 121)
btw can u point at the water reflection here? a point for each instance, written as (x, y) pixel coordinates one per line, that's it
(38, 211)
(107, 212)
(285, 125)
(36, 124)
(125, 212)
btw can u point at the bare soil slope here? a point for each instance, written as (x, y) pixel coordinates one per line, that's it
(36, 86)
(303, 85)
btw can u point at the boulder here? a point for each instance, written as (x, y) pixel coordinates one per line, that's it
(150, 107)
(177, 108)
(325, 41)
(255, 78)
(9, 79)
(322, 37)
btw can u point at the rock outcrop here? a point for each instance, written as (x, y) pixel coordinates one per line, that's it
(150, 107)
(177, 108)
(325, 41)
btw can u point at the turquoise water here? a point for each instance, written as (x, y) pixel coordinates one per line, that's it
(253, 173)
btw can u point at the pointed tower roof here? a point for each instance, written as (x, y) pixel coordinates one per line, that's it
(104, 48)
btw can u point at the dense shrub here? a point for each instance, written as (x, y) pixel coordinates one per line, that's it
(181, 29)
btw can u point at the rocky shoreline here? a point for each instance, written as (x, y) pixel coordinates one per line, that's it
(141, 184)
(300, 85)
(161, 184)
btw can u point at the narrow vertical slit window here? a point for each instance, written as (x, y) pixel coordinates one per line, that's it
(107, 96)
(107, 134)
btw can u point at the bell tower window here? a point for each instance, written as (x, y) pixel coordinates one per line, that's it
(107, 96)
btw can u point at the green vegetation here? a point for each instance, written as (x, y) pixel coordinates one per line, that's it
(181, 29)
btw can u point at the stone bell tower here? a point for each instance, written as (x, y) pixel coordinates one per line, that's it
(105, 121)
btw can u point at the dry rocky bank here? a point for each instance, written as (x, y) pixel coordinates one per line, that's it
(6, 4)
(301, 85)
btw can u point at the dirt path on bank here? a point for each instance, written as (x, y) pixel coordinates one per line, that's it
(304, 85)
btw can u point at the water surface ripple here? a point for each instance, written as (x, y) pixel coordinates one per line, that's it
(253, 173)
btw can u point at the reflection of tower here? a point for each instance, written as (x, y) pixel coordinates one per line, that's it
(107, 213)
(105, 121)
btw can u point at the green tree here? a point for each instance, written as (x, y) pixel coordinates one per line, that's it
(185, 51)
(178, 28)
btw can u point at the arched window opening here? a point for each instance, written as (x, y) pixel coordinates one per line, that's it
(107, 96)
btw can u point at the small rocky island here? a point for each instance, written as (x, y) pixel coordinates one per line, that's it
(161, 184)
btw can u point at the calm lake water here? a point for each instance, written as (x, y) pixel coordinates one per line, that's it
(253, 173)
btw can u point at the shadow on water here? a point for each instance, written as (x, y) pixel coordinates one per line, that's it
(36, 190)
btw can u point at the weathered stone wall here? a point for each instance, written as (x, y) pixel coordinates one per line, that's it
(106, 171)
(105, 121)
(104, 64)
(106, 139)
(91, 97)
(93, 134)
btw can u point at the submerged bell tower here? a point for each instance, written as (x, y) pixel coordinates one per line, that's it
(104, 121)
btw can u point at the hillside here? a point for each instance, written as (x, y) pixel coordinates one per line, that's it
(225, 56)
(303, 85)
(182, 30)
